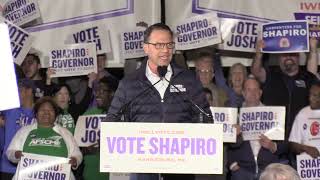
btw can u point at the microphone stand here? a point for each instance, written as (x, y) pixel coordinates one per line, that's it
(162, 72)
(202, 111)
(124, 107)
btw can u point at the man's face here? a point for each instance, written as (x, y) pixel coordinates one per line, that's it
(204, 70)
(251, 92)
(103, 95)
(161, 56)
(289, 63)
(237, 76)
(101, 61)
(30, 67)
(314, 97)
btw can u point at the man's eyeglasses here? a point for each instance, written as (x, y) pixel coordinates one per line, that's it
(169, 45)
(204, 71)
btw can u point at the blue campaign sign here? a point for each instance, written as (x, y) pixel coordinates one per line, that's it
(314, 22)
(285, 37)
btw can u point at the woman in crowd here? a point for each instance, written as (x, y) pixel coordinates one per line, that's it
(236, 78)
(46, 129)
(61, 94)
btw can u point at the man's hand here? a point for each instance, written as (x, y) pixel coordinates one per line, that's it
(313, 45)
(238, 130)
(312, 151)
(260, 44)
(92, 77)
(267, 143)
(18, 154)
(73, 162)
(50, 72)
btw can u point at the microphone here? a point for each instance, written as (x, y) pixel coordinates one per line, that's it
(162, 70)
(202, 111)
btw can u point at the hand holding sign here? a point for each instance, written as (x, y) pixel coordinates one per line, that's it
(267, 143)
(50, 73)
(312, 151)
(259, 46)
(73, 162)
(313, 42)
(18, 154)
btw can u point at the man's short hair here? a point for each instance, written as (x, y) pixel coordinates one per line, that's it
(35, 57)
(157, 26)
(277, 171)
(252, 77)
(204, 56)
(110, 82)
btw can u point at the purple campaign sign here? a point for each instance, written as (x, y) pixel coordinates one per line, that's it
(285, 37)
(314, 22)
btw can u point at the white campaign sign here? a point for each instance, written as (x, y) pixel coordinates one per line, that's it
(20, 12)
(73, 60)
(227, 117)
(95, 34)
(157, 147)
(21, 42)
(198, 31)
(37, 167)
(87, 131)
(267, 120)
(239, 35)
(69, 17)
(308, 168)
(131, 43)
(245, 11)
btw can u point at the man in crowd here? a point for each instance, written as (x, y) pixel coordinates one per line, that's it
(288, 86)
(31, 68)
(159, 102)
(103, 95)
(14, 119)
(248, 159)
(205, 71)
(305, 126)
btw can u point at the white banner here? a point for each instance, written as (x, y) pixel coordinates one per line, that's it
(73, 60)
(87, 131)
(38, 167)
(267, 120)
(239, 35)
(308, 168)
(21, 42)
(20, 12)
(96, 34)
(198, 31)
(131, 43)
(240, 11)
(228, 117)
(71, 16)
(158, 147)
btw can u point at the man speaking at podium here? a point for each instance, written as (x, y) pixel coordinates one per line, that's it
(160, 91)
